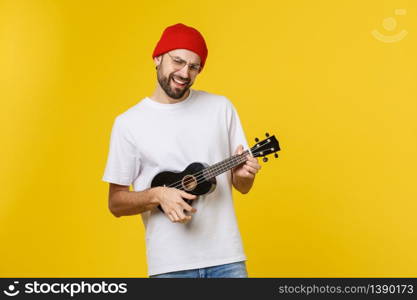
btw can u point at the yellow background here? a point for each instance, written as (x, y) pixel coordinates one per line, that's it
(341, 199)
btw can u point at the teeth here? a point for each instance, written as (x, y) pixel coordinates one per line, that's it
(178, 81)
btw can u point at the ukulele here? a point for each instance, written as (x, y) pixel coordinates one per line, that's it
(200, 179)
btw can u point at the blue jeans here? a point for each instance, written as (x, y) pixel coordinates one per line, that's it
(233, 270)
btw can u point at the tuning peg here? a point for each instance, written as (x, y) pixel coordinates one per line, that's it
(256, 140)
(265, 159)
(276, 155)
(267, 134)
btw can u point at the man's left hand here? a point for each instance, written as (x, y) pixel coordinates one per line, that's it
(248, 169)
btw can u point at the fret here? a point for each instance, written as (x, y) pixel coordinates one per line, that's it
(225, 165)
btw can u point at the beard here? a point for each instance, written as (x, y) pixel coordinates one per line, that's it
(176, 92)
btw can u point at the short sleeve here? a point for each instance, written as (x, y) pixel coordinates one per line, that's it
(236, 133)
(123, 161)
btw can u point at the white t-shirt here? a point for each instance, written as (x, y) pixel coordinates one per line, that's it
(152, 137)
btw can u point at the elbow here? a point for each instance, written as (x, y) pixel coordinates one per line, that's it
(113, 210)
(244, 192)
(114, 213)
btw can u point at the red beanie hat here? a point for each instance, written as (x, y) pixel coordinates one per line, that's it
(180, 36)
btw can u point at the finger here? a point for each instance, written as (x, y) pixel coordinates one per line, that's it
(251, 169)
(186, 220)
(247, 174)
(182, 217)
(253, 164)
(239, 149)
(174, 216)
(252, 159)
(170, 217)
(250, 175)
(188, 196)
(188, 207)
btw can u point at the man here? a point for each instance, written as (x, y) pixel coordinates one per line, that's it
(167, 131)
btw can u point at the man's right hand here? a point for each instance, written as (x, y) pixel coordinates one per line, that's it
(173, 205)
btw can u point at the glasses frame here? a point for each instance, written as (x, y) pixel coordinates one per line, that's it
(179, 63)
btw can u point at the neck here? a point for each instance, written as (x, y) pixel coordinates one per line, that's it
(160, 96)
(225, 165)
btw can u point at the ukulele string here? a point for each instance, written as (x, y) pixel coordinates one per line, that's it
(200, 176)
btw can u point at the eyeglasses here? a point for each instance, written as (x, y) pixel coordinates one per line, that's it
(180, 63)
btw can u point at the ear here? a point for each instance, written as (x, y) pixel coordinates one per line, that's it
(157, 60)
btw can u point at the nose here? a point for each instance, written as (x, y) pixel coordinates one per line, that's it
(184, 72)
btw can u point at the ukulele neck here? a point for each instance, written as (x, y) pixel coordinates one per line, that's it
(225, 165)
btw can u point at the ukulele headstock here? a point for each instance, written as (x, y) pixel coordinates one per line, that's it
(266, 147)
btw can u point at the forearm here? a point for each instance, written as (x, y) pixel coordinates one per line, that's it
(127, 203)
(243, 185)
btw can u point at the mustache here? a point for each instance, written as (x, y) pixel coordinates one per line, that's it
(186, 80)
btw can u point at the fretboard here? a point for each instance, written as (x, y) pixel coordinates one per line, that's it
(225, 165)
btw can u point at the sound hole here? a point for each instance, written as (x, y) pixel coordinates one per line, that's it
(189, 182)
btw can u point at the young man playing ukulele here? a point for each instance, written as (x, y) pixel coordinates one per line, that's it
(168, 130)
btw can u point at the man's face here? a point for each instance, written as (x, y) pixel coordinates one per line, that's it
(177, 70)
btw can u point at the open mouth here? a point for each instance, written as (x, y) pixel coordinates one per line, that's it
(178, 82)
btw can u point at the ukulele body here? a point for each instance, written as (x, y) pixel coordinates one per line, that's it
(192, 180)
